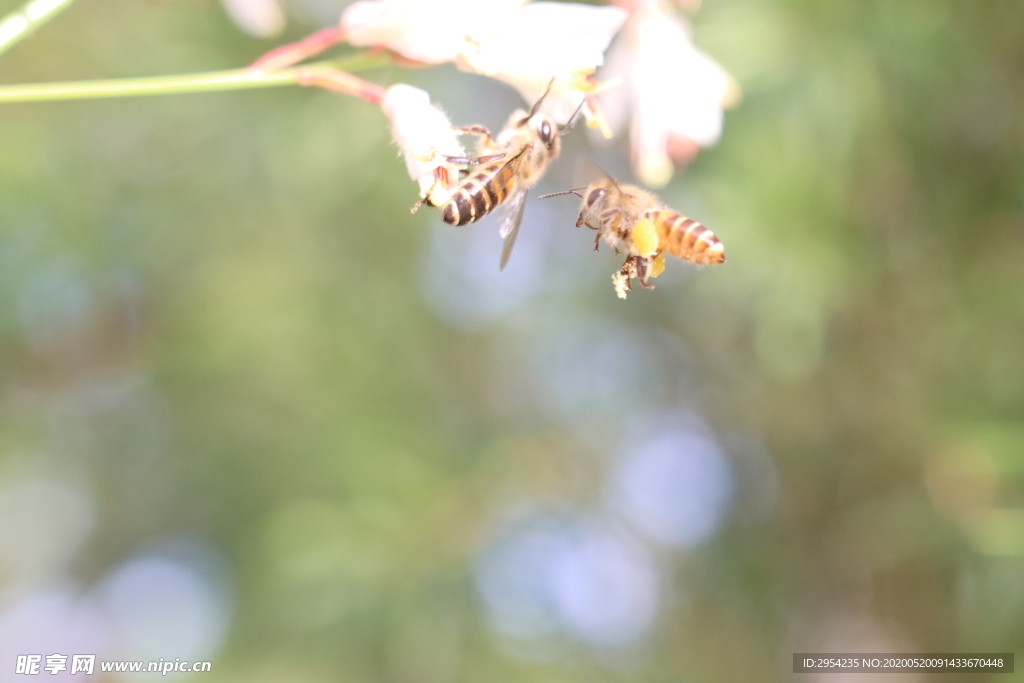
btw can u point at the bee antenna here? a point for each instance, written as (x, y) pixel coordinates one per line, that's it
(576, 191)
(609, 177)
(567, 128)
(536, 105)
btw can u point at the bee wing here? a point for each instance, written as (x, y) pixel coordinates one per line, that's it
(509, 217)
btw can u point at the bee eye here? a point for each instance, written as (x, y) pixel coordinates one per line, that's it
(595, 195)
(545, 133)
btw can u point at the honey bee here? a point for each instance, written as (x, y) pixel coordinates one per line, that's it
(507, 166)
(634, 221)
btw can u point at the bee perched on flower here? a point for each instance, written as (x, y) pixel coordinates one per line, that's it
(507, 164)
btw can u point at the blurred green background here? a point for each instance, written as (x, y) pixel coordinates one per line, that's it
(252, 411)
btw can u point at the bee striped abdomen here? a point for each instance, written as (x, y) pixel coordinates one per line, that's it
(478, 195)
(686, 238)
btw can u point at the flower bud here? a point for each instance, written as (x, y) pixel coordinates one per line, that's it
(424, 135)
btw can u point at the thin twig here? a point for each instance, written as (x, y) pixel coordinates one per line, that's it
(23, 22)
(235, 79)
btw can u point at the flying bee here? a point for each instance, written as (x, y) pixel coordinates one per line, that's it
(634, 221)
(506, 166)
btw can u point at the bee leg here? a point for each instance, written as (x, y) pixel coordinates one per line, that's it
(425, 199)
(472, 161)
(627, 276)
(442, 180)
(630, 271)
(475, 130)
(597, 241)
(623, 280)
(643, 271)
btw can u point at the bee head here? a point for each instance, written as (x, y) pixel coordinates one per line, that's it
(546, 129)
(547, 132)
(597, 192)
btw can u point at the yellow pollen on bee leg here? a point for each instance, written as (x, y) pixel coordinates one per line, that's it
(645, 237)
(658, 267)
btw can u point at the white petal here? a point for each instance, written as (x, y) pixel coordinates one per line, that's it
(259, 18)
(431, 31)
(702, 89)
(422, 132)
(545, 40)
(560, 104)
(678, 88)
(676, 91)
(617, 101)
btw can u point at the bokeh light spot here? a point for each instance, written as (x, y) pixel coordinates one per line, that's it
(580, 578)
(163, 606)
(675, 485)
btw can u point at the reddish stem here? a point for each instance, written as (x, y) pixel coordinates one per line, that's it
(342, 82)
(293, 53)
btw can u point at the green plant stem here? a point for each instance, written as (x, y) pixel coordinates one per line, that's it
(235, 79)
(23, 22)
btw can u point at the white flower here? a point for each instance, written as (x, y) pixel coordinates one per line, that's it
(430, 31)
(525, 45)
(688, 5)
(545, 40)
(258, 18)
(424, 135)
(675, 92)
